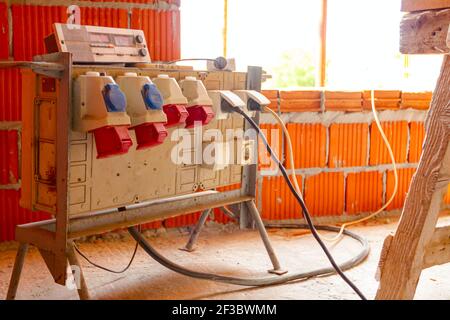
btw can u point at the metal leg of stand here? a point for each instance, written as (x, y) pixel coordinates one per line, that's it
(196, 231)
(265, 238)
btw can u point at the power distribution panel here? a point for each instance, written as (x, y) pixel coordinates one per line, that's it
(149, 164)
(137, 131)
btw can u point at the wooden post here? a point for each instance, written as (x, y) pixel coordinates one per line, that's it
(83, 291)
(323, 44)
(225, 28)
(404, 254)
(17, 271)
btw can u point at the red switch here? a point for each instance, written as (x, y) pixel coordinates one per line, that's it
(150, 134)
(111, 141)
(203, 114)
(176, 114)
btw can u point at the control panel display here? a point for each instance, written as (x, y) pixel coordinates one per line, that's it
(99, 37)
(124, 41)
(90, 44)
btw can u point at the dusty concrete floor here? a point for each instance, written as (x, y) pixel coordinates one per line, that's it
(221, 249)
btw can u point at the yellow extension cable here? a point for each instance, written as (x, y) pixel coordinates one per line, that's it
(294, 177)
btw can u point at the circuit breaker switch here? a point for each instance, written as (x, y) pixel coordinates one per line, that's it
(199, 103)
(174, 101)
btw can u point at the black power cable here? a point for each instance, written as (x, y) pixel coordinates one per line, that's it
(107, 269)
(256, 282)
(140, 240)
(305, 211)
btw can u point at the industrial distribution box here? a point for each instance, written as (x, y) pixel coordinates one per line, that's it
(127, 120)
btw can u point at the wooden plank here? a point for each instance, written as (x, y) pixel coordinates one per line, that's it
(40, 238)
(404, 255)
(83, 291)
(63, 117)
(425, 32)
(420, 5)
(10, 125)
(17, 271)
(438, 249)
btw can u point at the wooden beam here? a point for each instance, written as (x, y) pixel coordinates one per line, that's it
(425, 32)
(420, 5)
(323, 44)
(17, 271)
(40, 238)
(438, 249)
(225, 28)
(404, 254)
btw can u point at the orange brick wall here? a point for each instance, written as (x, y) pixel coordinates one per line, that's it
(397, 135)
(324, 193)
(344, 168)
(404, 179)
(279, 204)
(339, 154)
(312, 138)
(364, 192)
(417, 134)
(348, 145)
(24, 25)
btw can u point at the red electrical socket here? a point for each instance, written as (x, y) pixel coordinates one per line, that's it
(176, 114)
(203, 114)
(112, 140)
(150, 134)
